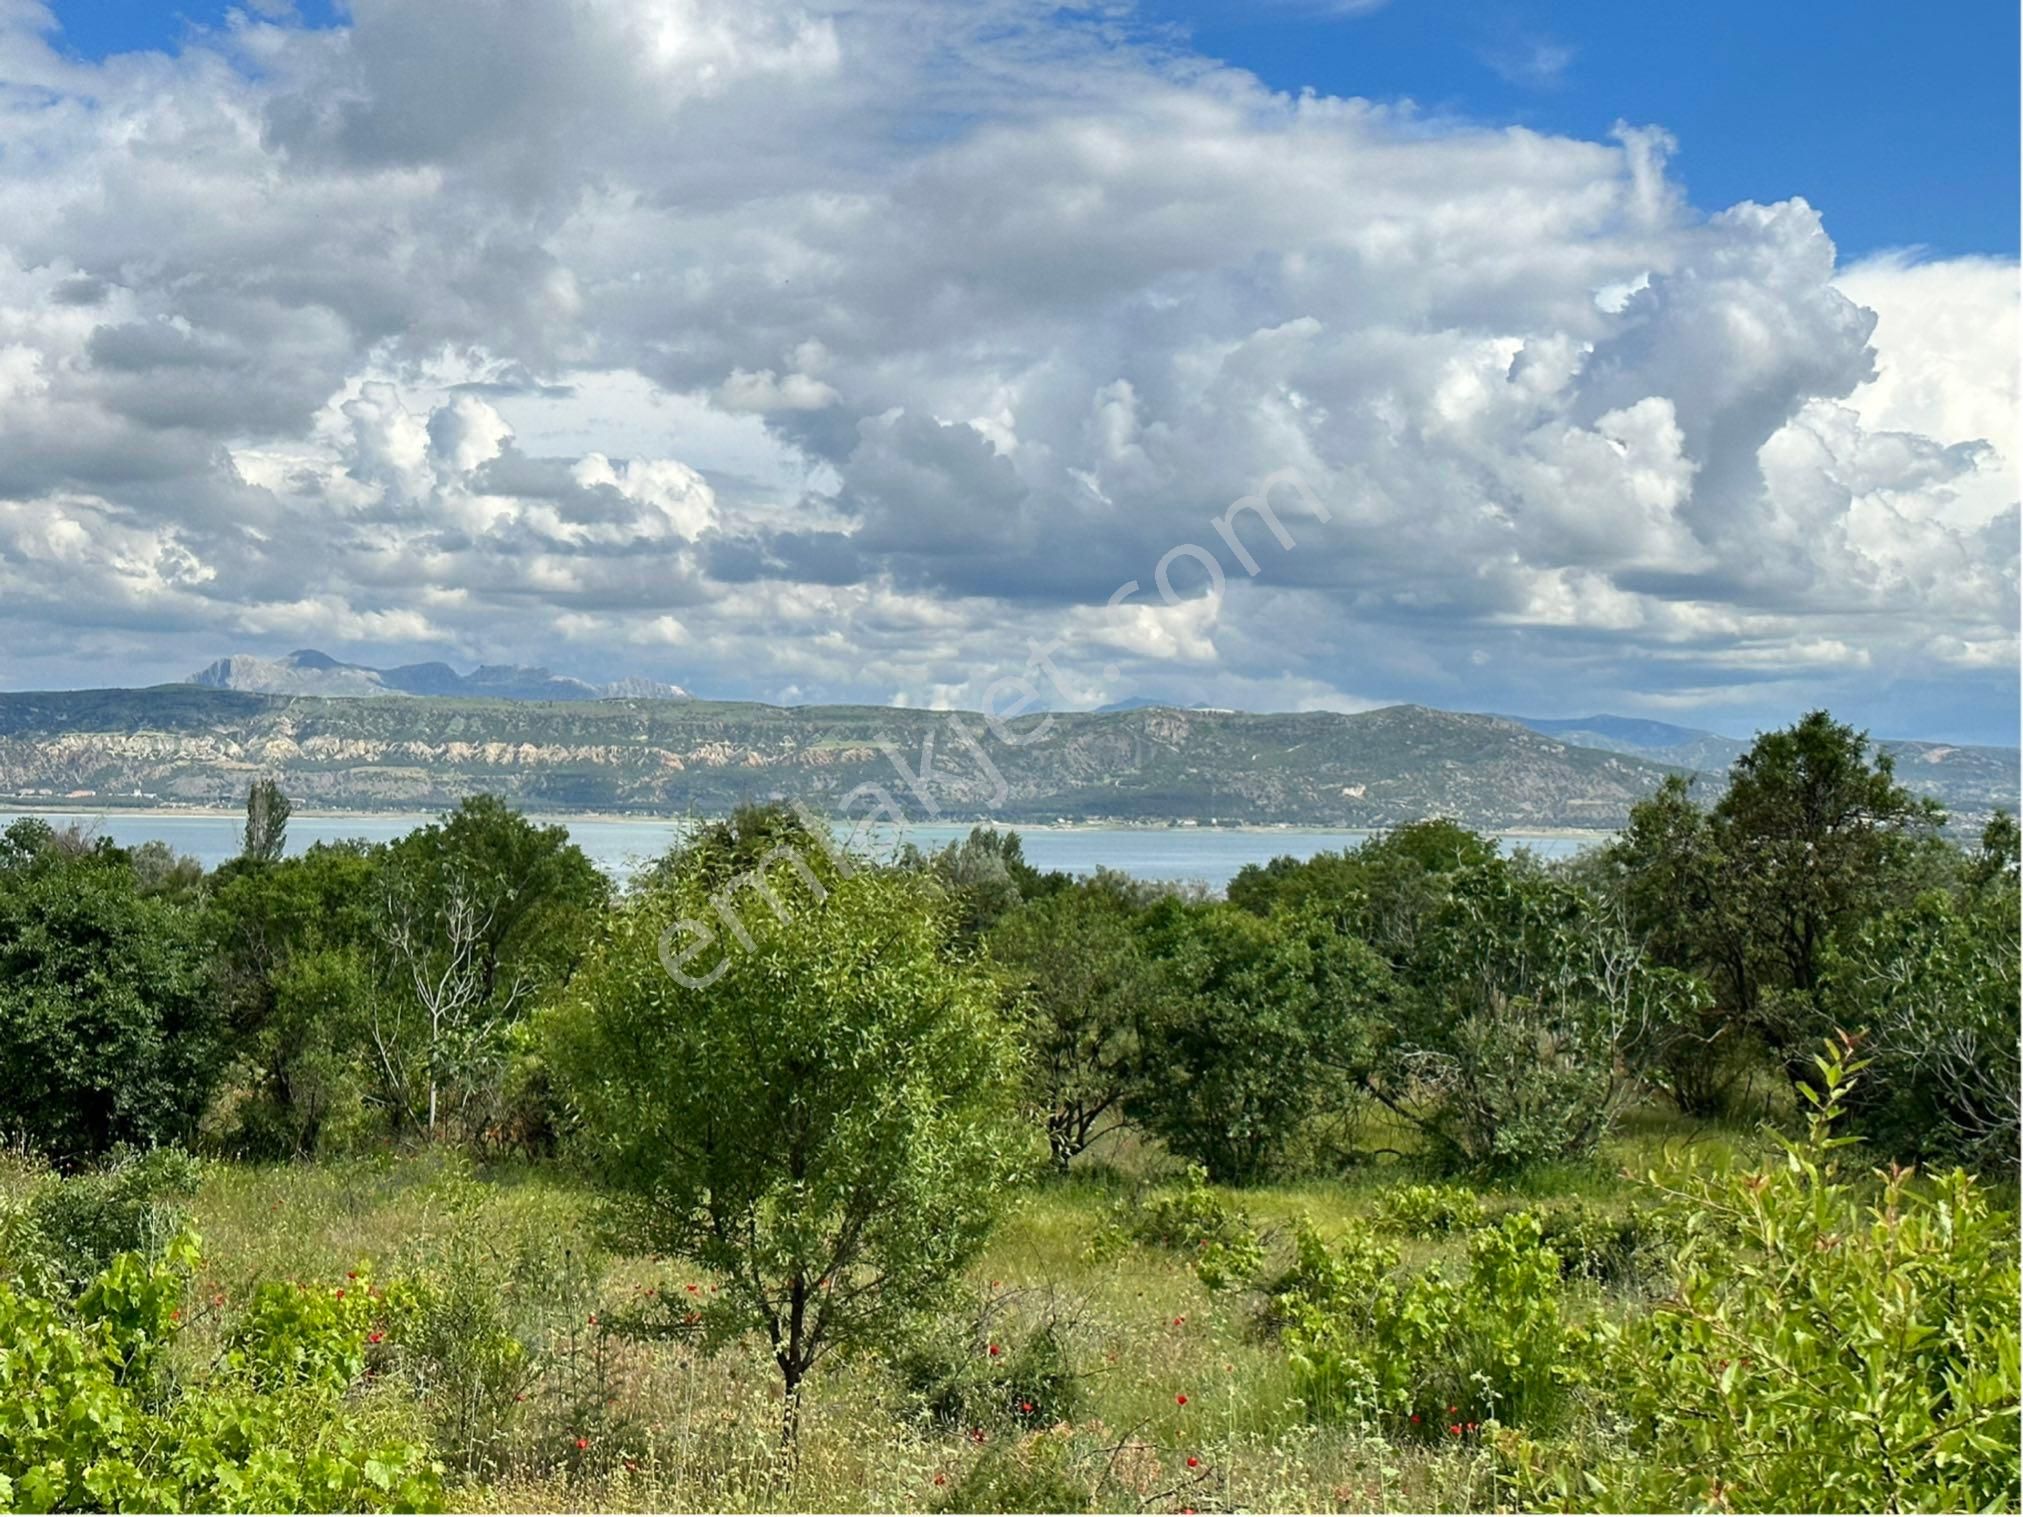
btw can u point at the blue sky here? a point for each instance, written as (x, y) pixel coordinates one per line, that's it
(1897, 121)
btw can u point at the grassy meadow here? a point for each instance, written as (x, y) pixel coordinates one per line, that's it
(598, 1417)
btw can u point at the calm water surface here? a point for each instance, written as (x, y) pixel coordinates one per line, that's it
(1211, 855)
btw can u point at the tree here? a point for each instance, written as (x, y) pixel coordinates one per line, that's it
(108, 1032)
(481, 914)
(267, 812)
(1815, 833)
(1260, 1025)
(1088, 983)
(295, 948)
(828, 1123)
(1674, 889)
(1525, 995)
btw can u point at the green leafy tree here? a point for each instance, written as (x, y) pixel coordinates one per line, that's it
(1816, 835)
(1933, 988)
(267, 813)
(108, 1028)
(1525, 995)
(1261, 1025)
(1088, 983)
(824, 1114)
(481, 915)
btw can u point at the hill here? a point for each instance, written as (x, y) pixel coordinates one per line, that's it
(194, 745)
(307, 672)
(1969, 780)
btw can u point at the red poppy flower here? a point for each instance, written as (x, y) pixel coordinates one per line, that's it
(351, 1274)
(1193, 1463)
(1415, 1416)
(582, 1443)
(941, 1480)
(1455, 1429)
(1178, 1320)
(375, 1337)
(1180, 1400)
(995, 1351)
(340, 1293)
(593, 1319)
(1026, 1407)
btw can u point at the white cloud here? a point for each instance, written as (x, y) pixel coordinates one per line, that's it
(843, 349)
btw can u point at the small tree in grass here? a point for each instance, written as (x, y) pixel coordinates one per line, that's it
(823, 1115)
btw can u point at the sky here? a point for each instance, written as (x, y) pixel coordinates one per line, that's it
(1286, 356)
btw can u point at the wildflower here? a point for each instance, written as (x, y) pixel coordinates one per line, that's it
(176, 1315)
(351, 1274)
(1179, 1321)
(632, 1464)
(1193, 1463)
(977, 1435)
(219, 1299)
(375, 1337)
(941, 1480)
(1026, 1407)
(1455, 1429)
(1181, 1399)
(519, 1395)
(1452, 1410)
(1415, 1417)
(692, 1290)
(995, 1350)
(593, 1319)
(582, 1443)
(340, 1293)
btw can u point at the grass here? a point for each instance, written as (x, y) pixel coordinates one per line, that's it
(594, 1417)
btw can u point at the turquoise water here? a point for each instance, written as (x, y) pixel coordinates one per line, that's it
(1209, 855)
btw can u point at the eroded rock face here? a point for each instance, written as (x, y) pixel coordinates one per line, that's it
(1316, 769)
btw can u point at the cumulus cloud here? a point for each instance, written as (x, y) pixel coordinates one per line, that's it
(844, 352)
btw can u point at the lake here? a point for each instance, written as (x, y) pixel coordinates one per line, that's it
(1210, 855)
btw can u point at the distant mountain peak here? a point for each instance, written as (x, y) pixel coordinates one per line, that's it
(310, 672)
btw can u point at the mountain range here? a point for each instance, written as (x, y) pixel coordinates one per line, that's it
(201, 745)
(307, 672)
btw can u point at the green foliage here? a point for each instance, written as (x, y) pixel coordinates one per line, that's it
(1424, 1354)
(1088, 985)
(107, 1025)
(1428, 1211)
(991, 1373)
(1934, 987)
(89, 1419)
(1526, 992)
(69, 1228)
(267, 813)
(1807, 1301)
(1224, 1244)
(823, 1116)
(1263, 1023)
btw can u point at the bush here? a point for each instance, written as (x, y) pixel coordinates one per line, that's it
(1428, 1211)
(1527, 993)
(107, 1025)
(989, 1373)
(1608, 1248)
(87, 1419)
(68, 1228)
(1262, 1022)
(1807, 1302)
(1224, 1245)
(1423, 1355)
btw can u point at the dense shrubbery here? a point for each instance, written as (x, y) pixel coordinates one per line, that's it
(1828, 1346)
(92, 1417)
(816, 1079)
